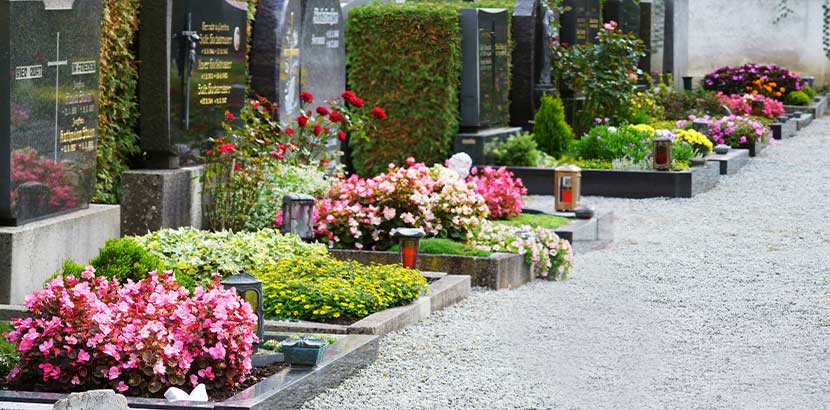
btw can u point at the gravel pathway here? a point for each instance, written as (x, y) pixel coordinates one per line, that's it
(715, 302)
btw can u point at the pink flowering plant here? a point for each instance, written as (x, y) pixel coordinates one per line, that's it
(360, 212)
(551, 256)
(742, 104)
(735, 130)
(500, 190)
(140, 337)
(29, 166)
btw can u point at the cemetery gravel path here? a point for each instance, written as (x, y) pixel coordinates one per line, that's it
(715, 302)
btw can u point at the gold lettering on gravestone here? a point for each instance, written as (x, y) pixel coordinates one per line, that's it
(216, 40)
(78, 140)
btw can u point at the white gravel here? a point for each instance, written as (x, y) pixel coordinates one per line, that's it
(715, 302)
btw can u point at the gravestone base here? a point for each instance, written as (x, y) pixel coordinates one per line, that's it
(31, 253)
(473, 143)
(153, 199)
(731, 162)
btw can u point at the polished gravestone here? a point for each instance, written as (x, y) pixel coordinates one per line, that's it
(275, 54)
(533, 32)
(48, 107)
(484, 73)
(626, 13)
(193, 70)
(323, 50)
(580, 21)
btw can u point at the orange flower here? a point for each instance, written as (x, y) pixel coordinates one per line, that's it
(754, 91)
(782, 89)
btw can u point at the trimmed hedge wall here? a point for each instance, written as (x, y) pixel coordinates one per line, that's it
(405, 58)
(417, 81)
(118, 101)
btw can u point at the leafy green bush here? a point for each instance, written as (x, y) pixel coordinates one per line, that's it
(809, 91)
(440, 246)
(551, 131)
(194, 254)
(323, 289)
(124, 259)
(282, 180)
(416, 80)
(519, 150)
(8, 351)
(612, 143)
(799, 98)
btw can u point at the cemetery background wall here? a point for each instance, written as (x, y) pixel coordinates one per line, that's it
(741, 31)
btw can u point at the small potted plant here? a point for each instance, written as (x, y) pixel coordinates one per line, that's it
(306, 351)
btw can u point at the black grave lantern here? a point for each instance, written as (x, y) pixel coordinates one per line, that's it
(410, 240)
(249, 288)
(298, 215)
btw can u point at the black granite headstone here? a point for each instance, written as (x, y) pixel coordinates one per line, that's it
(528, 58)
(580, 21)
(193, 70)
(484, 60)
(49, 50)
(645, 35)
(323, 50)
(275, 54)
(626, 13)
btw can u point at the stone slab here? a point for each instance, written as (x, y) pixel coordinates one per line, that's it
(288, 389)
(448, 291)
(626, 184)
(474, 143)
(390, 320)
(803, 121)
(731, 162)
(154, 199)
(31, 253)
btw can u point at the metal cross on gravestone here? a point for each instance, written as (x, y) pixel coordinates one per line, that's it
(188, 43)
(48, 106)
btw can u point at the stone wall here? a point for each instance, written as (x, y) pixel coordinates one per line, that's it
(734, 32)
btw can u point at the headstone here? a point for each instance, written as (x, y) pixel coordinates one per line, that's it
(275, 54)
(93, 400)
(323, 59)
(658, 35)
(193, 70)
(625, 12)
(645, 35)
(484, 61)
(48, 106)
(580, 21)
(533, 32)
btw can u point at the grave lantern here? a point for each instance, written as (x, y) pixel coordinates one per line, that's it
(567, 187)
(662, 158)
(700, 125)
(298, 215)
(249, 288)
(410, 239)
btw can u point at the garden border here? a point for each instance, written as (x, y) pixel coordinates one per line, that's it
(818, 108)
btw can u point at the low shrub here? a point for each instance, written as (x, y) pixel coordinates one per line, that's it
(799, 98)
(809, 91)
(609, 143)
(439, 246)
(552, 133)
(282, 180)
(87, 332)
(548, 253)
(501, 192)
(123, 259)
(324, 289)
(195, 254)
(360, 213)
(519, 150)
(540, 220)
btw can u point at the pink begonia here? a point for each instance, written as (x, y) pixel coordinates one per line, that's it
(541, 248)
(501, 192)
(118, 331)
(742, 104)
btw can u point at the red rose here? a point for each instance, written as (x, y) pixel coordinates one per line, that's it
(324, 161)
(289, 131)
(357, 102)
(322, 110)
(378, 113)
(302, 121)
(237, 167)
(348, 95)
(226, 148)
(335, 117)
(306, 96)
(341, 135)
(318, 130)
(210, 152)
(229, 116)
(255, 104)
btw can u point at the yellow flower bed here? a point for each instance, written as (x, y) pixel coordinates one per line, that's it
(323, 289)
(695, 138)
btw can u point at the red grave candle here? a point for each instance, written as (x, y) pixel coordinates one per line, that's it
(567, 195)
(409, 255)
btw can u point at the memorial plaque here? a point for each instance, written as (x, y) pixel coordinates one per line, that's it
(48, 106)
(193, 70)
(485, 55)
(275, 55)
(323, 50)
(580, 21)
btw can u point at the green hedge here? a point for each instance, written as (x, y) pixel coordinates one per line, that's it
(118, 105)
(405, 58)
